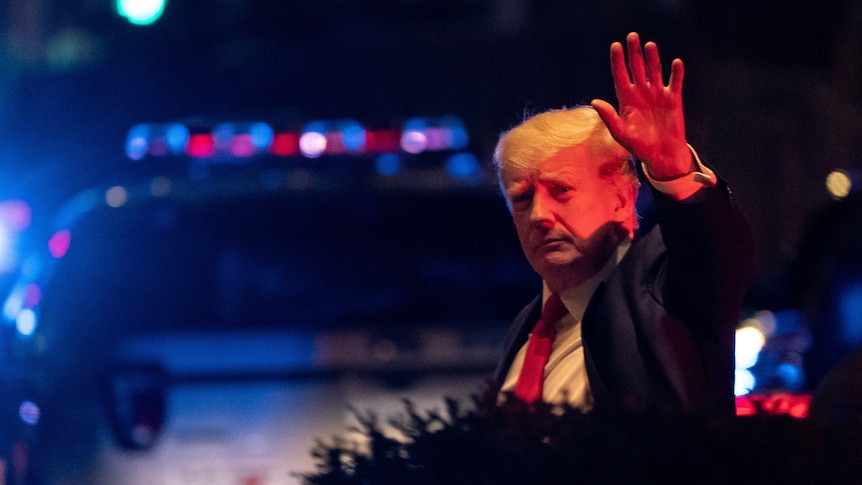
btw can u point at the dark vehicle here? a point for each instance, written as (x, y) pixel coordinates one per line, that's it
(209, 329)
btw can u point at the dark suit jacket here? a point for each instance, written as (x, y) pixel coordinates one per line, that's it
(659, 334)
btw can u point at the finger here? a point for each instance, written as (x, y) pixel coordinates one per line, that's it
(609, 117)
(636, 59)
(677, 73)
(619, 72)
(653, 64)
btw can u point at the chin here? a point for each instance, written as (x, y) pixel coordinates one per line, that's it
(550, 263)
(557, 256)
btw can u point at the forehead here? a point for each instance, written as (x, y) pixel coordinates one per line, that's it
(575, 163)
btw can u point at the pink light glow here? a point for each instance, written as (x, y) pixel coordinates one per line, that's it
(32, 295)
(200, 145)
(15, 214)
(59, 243)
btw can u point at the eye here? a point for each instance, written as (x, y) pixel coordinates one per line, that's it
(521, 199)
(561, 189)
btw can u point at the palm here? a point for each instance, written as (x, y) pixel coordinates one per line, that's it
(650, 123)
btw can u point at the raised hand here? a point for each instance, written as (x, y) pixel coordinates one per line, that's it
(650, 123)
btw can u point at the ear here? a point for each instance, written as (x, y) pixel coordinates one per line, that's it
(622, 205)
(624, 210)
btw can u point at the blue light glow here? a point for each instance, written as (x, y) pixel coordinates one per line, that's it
(177, 135)
(415, 124)
(388, 164)
(31, 267)
(243, 139)
(353, 135)
(261, 135)
(463, 166)
(315, 127)
(223, 134)
(850, 311)
(156, 139)
(791, 375)
(14, 303)
(458, 133)
(29, 412)
(137, 142)
(7, 253)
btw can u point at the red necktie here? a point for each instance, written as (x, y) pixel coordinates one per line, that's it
(530, 380)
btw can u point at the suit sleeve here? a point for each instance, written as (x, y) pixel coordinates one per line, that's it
(710, 258)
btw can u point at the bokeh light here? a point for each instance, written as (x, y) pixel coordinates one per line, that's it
(414, 140)
(312, 144)
(749, 341)
(59, 243)
(463, 166)
(160, 186)
(838, 184)
(850, 313)
(285, 144)
(116, 196)
(25, 322)
(744, 382)
(388, 164)
(141, 12)
(29, 413)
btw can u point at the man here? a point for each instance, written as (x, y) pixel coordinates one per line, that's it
(647, 323)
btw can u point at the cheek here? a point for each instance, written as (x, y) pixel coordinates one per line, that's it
(522, 224)
(524, 230)
(584, 218)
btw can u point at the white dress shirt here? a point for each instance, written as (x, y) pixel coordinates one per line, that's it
(565, 373)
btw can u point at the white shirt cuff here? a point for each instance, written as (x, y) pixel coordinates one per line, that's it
(686, 185)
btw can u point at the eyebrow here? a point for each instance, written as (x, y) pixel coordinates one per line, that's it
(516, 188)
(564, 176)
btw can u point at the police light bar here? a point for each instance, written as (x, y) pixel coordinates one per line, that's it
(238, 141)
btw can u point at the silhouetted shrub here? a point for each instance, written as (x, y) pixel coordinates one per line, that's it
(516, 443)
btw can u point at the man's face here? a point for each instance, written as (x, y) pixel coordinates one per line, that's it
(568, 219)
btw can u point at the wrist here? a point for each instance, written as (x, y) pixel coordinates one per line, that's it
(686, 185)
(681, 164)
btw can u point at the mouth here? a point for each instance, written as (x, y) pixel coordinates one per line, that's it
(550, 242)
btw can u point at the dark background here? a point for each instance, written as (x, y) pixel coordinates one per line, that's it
(773, 89)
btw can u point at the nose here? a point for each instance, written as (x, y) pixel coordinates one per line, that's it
(541, 214)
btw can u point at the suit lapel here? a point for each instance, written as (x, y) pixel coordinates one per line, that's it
(518, 334)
